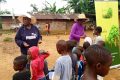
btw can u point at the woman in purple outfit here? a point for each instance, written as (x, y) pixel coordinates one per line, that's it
(77, 30)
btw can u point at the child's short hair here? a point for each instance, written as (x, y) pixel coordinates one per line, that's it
(98, 29)
(81, 48)
(86, 45)
(61, 44)
(21, 60)
(78, 52)
(96, 54)
(101, 43)
(70, 44)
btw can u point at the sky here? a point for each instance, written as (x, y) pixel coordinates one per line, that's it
(23, 6)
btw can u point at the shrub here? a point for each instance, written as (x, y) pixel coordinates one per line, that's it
(0, 25)
(8, 39)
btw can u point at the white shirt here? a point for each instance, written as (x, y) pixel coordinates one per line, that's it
(97, 39)
(63, 68)
(88, 39)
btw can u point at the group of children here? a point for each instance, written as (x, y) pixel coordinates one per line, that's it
(37, 68)
(75, 63)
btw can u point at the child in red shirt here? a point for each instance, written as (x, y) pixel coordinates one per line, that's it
(37, 63)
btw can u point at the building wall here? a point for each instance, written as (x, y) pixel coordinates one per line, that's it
(69, 24)
(55, 24)
(7, 23)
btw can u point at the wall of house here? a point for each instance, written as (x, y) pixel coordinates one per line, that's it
(55, 24)
(69, 24)
(7, 23)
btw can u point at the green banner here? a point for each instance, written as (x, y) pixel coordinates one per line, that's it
(107, 18)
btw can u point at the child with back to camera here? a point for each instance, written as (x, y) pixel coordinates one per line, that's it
(63, 66)
(98, 60)
(70, 46)
(80, 61)
(86, 45)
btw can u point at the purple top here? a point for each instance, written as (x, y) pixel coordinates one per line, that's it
(76, 31)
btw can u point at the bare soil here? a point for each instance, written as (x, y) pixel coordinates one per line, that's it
(9, 50)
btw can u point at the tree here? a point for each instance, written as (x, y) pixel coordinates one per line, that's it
(80, 6)
(1, 1)
(74, 4)
(52, 8)
(119, 4)
(49, 8)
(35, 8)
(5, 12)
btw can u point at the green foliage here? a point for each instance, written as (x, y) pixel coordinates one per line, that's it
(108, 13)
(35, 8)
(78, 6)
(81, 6)
(2, 1)
(5, 12)
(8, 32)
(114, 34)
(8, 39)
(52, 8)
(49, 8)
(0, 25)
(119, 4)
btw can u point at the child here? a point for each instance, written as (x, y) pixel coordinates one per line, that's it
(70, 46)
(20, 65)
(63, 66)
(98, 62)
(46, 71)
(88, 39)
(97, 32)
(101, 43)
(37, 63)
(80, 62)
(86, 45)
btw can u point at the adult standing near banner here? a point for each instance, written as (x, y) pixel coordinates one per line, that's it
(77, 30)
(28, 35)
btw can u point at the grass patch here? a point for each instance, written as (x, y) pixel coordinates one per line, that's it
(7, 31)
(7, 39)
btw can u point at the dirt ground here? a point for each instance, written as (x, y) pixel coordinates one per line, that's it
(9, 50)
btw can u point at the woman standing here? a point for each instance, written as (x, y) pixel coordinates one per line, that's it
(28, 35)
(77, 30)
